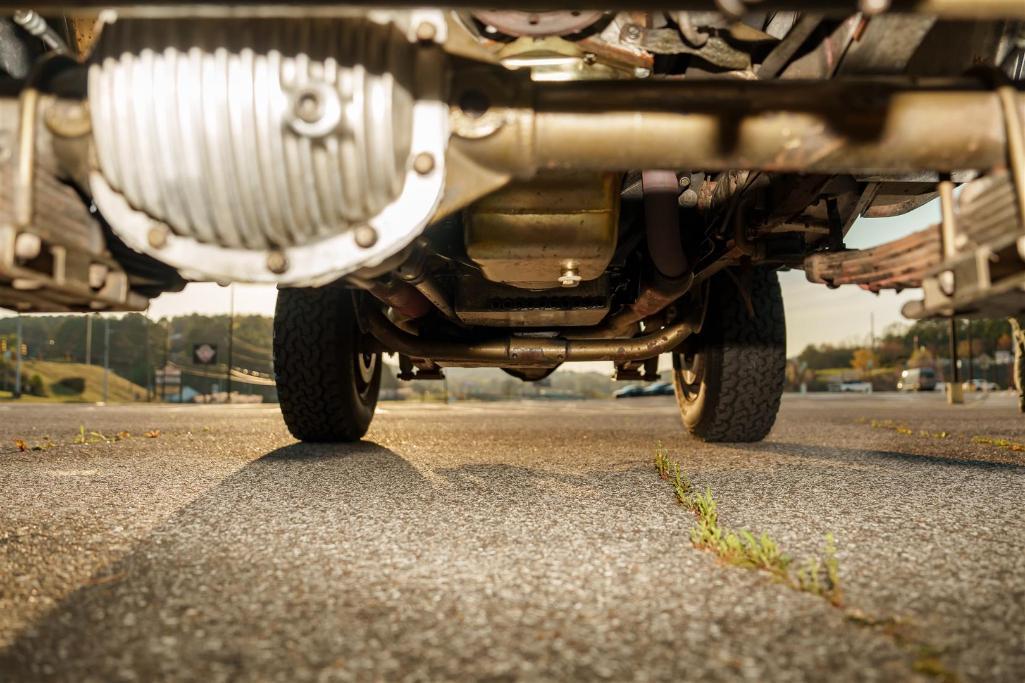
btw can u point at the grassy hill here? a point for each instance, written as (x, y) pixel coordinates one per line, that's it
(76, 382)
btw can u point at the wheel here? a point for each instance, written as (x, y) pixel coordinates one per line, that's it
(327, 381)
(729, 378)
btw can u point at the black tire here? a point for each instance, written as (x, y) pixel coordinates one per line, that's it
(729, 379)
(327, 385)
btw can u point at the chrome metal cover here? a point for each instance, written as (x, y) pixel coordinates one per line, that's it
(269, 150)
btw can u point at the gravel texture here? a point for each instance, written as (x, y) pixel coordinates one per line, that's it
(528, 541)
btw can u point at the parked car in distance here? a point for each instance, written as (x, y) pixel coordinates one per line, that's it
(917, 379)
(660, 389)
(854, 386)
(980, 385)
(629, 391)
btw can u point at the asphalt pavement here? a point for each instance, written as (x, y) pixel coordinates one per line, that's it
(501, 542)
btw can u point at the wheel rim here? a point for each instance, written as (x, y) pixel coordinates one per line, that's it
(690, 374)
(365, 364)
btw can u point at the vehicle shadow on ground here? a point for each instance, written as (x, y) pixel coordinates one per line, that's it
(119, 612)
(819, 452)
(233, 583)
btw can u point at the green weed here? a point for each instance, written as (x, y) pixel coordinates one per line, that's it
(818, 575)
(999, 443)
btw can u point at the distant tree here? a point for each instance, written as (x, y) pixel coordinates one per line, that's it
(892, 352)
(921, 358)
(864, 360)
(825, 356)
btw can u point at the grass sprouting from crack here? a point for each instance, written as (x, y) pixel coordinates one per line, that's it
(1000, 443)
(905, 430)
(819, 575)
(85, 437)
(43, 444)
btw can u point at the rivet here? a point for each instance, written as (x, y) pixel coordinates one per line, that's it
(157, 236)
(277, 263)
(365, 236)
(423, 163)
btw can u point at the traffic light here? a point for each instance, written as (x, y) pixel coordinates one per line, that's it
(24, 350)
(3, 344)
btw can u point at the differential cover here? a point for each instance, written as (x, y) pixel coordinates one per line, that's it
(269, 150)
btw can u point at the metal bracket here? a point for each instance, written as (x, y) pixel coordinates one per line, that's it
(637, 371)
(413, 369)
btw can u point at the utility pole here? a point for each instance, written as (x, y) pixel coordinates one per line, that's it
(151, 376)
(167, 354)
(89, 339)
(231, 336)
(17, 364)
(971, 372)
(106, 359)
(872, 330)
(954, 393)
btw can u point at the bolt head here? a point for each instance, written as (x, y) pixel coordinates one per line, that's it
(688, 199)
(570, 277)
(423, 163)
(157, 236)
(308, 107)
(947, 282)
(632, 32)
(27, 246)
(365, 236)
(426, 32)
(277, 262)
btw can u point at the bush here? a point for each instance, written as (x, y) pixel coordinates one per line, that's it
(36, 386)
(70, 385)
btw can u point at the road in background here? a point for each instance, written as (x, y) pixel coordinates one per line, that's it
(507, 541)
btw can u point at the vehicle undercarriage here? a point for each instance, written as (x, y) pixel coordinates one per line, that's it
(516, 187)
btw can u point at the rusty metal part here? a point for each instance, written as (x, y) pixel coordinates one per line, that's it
(669, 41)
(520, 351)
(662, 222)
(824, 58)
(400, 296)
(950, 9)
(52, 253)
(530, 233)
(900, 264)
(414, 272)
(714, 194)
(551, 23)
(832, 127)
(787, 48)
(657, 294)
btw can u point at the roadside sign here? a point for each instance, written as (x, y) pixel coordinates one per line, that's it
(169, 376)
(204, 354)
